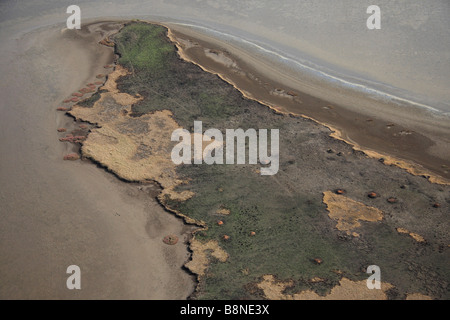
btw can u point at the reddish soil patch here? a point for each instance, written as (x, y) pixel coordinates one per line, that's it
(71, 156)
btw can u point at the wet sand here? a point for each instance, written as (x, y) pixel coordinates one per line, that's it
(412, 139)
(57, 213)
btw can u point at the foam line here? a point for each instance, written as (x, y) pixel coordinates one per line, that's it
(331, 78)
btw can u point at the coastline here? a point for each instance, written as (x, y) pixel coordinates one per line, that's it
(106, 146)
(58, 213)
(407, 143)
(126, 189)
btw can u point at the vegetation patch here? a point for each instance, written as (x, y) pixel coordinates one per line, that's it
(271, 225)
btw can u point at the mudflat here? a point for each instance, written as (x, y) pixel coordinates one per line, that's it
(59, 213)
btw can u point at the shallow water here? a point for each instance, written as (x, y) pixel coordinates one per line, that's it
(54, 213)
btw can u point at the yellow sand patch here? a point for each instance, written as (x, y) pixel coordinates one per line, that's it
(134, 148)
(179, 196)
(201, 255)
(417, 296)
(346, 290)
(415, 236)
(409, 166)
(223, 211)
(348, 213)
(111, 103)
(176, 195)
(107, 42)
(111, 85)
(139, 149)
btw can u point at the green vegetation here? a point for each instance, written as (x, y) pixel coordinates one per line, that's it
(143, 48)
(285, 242)
(285, 211)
